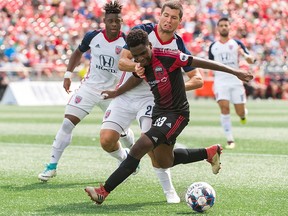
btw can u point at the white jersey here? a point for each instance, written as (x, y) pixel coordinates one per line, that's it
(226, 53)
(176, 43)
(103, 73)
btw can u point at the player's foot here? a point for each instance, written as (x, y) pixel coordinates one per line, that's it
(172, 197)
(213, 153)
(243, 120)
(48, 173)
(230, 145)
(97, 195)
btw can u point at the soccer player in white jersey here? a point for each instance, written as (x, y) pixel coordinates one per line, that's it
(138, 102)
(105, 46)
(228, 88)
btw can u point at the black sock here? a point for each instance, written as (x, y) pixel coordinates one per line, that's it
(184, 156)
(127, 167)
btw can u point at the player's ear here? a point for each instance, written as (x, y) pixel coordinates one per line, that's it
(150, 45)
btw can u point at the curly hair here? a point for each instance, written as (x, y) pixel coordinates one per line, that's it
(136, 37)
(113, 7)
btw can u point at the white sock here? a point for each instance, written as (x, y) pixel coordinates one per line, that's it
(62, 140)
(119, 154)
(227, 127)
(165, 180)
(128, 140)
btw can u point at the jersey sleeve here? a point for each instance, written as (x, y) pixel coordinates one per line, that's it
(182, 48)
(182, 60)
(242, 46)
(210, 55)
(84, 45)
(147, 27)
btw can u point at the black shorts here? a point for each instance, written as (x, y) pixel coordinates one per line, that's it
(166, 128)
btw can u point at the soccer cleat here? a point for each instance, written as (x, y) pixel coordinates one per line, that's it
(213, 153)
(97, 195)
(172, 197)
(48, 173)
(243, 120)
(230, 145)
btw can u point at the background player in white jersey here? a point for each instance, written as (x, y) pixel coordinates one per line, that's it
(138, 102)
(228, 88)
(105, 46)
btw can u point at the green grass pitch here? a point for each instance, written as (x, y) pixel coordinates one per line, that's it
(253, 179)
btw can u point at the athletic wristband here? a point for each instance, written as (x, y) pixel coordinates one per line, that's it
(67, 74)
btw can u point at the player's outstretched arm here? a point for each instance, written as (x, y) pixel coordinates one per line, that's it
(213, 65)
(125, 62)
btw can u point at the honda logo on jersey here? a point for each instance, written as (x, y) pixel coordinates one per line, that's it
(106, 61)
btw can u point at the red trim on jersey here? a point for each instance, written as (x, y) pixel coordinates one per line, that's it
(223, 41)
(159, 39)
(121, 80)
(105, 36)
(175, 127)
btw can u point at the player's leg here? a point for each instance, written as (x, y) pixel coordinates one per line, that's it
(126, 168)
(222, 94)
(238, 98)
(116, 121)
(80, 105)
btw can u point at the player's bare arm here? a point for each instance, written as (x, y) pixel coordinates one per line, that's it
(195, 80)
(245, 76)
(73, 62)
(125, 62)
(129, 84)
(248, 57)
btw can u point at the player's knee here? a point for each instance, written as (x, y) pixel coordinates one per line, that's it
(108, 140)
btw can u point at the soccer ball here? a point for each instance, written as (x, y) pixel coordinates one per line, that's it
(200, 196)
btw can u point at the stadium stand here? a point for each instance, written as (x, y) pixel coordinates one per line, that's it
(37, 37)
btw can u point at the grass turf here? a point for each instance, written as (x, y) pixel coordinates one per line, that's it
(253, 179)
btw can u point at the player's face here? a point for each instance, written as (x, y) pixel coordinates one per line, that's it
(169, 20)
(142, 54)
(223, 28)
(113, 24)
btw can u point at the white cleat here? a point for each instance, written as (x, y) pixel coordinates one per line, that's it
(47, 174)
(172, 197)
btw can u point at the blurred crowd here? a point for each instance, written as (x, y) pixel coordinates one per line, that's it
(40, 35)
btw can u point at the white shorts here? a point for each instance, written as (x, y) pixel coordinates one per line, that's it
(122, 111)
(84, 100)
(233, 93)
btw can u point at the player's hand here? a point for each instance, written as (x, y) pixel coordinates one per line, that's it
(67, 84)
(109, 94)
(139, 70)
(243, 75)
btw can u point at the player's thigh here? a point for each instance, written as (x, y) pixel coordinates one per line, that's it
(118, 116)
(166, 128)
(221, 92)
(238, 95)
(144, 115)
(82, 102)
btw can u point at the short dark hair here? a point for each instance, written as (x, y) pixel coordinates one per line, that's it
(136, 37)
(113, 7)
(222, 19)
(176, 5)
